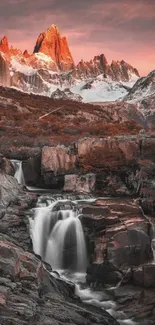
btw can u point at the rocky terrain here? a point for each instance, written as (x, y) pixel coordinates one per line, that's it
(119, 239)
(104, 149)
(29, 293)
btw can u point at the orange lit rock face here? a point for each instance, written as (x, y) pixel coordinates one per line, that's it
(8, 51)
(117, 70)
(52, 53)
(4, 47)
(53, 45)
(26, 54)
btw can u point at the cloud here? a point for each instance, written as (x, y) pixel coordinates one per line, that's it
(119, 28)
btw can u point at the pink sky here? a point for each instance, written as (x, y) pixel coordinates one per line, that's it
(121, 29)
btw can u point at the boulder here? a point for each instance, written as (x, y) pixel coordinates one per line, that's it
(111, 152)
(28, 291)
(57, 160)
(103, 274)
(143, 276)
(117, 233)
(128, 248)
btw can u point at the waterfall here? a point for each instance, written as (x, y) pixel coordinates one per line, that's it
(17, 164)
(58, 237)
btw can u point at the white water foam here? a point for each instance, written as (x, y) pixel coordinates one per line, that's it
(58, 237)
(17, 164)
(56, 229)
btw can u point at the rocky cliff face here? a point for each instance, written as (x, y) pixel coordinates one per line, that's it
(4, 72)
(4, 46)
(143, 93)
(29, 292)
(53, 45)
(117, 70)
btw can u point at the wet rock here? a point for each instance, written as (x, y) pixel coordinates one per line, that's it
(117, 233)
(79, 183)
(32, 171)
(28, 291)
(103, 274)
(137, 303)
(144, 276)
(131, 247)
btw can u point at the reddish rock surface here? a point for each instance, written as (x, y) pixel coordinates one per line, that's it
(57, 160)
(52, 52)
(52, 44)
(118, 233)
(4, 46)
(117, 70)
(26, 54)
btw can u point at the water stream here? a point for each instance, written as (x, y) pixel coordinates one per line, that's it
(17, 164)
(58, 237)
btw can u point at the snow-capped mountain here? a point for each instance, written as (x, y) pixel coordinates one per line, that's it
(51, 67)
(143, 88)
(143, 94)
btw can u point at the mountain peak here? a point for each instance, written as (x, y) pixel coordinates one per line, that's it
(52, 44)
(4, 46)
(26, 54)
(54, 28)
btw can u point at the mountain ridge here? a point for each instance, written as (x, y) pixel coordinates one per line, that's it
(53, 45)
(51, 65)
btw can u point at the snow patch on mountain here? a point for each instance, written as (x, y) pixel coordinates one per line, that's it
(45, 81)
(43, 57)
(143, 88)
(23, 68)
(102, 89)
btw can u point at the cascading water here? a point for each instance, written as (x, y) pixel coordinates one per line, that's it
(58, 237)
(17, 164)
